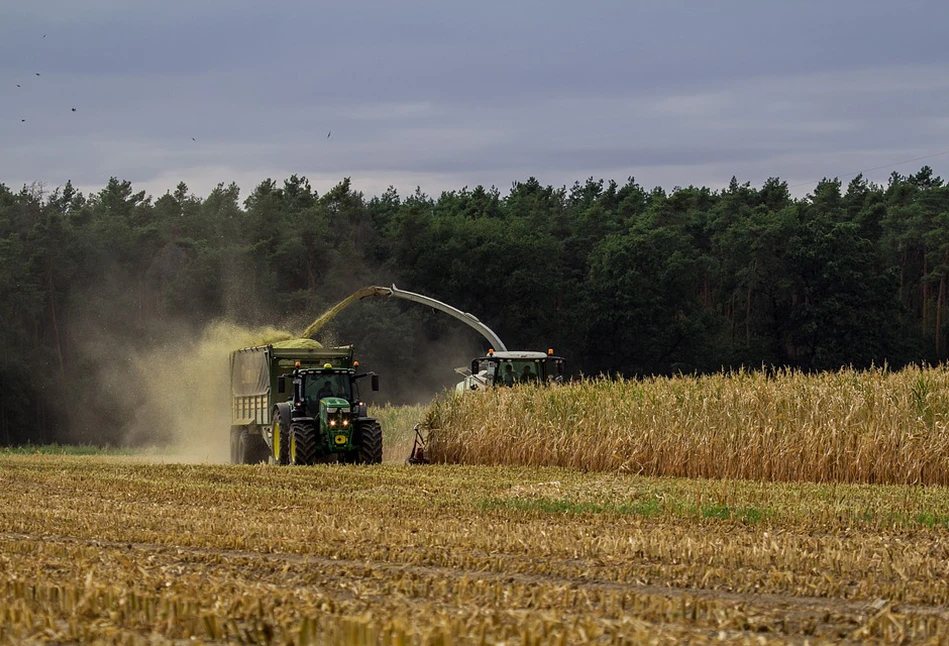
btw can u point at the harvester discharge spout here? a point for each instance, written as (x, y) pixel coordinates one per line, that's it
(374, 290)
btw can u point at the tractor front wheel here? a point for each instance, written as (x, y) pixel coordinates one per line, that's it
(370, 443)
(302, 443)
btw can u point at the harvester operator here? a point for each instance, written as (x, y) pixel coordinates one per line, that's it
(507, 376)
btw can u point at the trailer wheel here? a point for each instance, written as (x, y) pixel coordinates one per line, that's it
(370, 443)
(261, 450)
(240, 451)
(235, 445)
(251, 448)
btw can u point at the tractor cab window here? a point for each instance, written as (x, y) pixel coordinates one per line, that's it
(319, 386)
(531, 371)
(518, 371)
(505, 374)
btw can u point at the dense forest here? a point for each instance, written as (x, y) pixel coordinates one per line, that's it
(619, 279)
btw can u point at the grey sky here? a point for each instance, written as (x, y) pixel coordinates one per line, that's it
(444, 95)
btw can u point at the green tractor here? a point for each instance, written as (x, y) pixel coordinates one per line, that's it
(324, 421)
(320, 419)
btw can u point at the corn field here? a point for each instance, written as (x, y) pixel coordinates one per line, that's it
(876, 426)
(398, 428)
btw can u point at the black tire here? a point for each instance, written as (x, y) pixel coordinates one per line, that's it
(261, 450)
(302, 443)
(281, 438)
(253, 449)
(370, 442)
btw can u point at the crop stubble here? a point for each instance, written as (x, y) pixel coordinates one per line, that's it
(109, 548)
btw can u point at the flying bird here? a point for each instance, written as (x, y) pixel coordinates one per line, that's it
(18, 85)
(74, 109)
(22, 120)
(193, 139)
(37, 73)
(328, 134)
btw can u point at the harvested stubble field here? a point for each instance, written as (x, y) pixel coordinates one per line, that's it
(110, 549)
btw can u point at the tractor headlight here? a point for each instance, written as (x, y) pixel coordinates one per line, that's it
(332, 422)
(345, 422)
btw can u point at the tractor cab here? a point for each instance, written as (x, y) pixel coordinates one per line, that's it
(325, 418)
(332, 387)
(329, 383)
(510, 368)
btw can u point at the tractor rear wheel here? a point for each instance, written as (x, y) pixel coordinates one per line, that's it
(281, 439)
(302, 443)
(370, 443)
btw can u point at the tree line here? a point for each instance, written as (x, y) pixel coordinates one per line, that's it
(619, 279)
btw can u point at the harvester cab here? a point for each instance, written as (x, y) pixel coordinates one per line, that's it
(508, 368)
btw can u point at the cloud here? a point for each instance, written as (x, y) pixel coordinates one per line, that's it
(425, 94)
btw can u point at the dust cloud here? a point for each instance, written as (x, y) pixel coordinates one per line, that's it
(162, 388)
(187, 390)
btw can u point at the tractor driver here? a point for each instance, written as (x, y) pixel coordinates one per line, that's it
(527, 375)
(326, 390)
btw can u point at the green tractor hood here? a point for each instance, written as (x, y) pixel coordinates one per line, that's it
(336, 424)
(329, 403)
